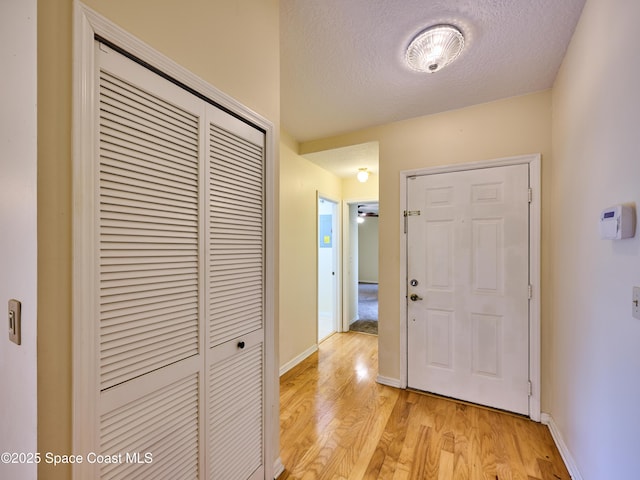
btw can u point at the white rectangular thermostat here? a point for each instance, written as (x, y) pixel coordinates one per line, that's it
(618, 222)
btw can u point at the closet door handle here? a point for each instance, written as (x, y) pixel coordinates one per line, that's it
(240, 345)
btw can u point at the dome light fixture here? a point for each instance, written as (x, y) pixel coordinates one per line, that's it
(434, 48)
(363, 175)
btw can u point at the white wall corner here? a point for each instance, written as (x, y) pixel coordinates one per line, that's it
(295, 361)
(389, 382)
(569, 462)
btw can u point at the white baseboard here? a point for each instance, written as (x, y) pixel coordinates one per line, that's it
(390, 382)
(292, 363)
(569, 462)
(278, 468)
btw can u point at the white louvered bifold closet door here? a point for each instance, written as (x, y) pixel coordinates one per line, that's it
(236, 299)
(180, 265)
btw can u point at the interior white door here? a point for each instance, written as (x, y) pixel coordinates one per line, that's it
(327, 267)
(468, 285)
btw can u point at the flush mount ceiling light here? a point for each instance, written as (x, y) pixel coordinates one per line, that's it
(434, 48)
(363, 175)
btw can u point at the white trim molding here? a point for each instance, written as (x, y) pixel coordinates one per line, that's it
(569, 462)
(533, 161)
(389, 382)
(298, 359)
(278, 468)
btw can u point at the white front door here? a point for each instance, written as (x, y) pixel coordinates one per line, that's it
(468, 285)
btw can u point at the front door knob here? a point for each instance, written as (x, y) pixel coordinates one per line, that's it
(414, 297)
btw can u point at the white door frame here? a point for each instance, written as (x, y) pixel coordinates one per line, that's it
(534, 264)
(346, 252)
(337, 242)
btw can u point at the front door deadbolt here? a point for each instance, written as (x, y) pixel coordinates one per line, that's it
(413, 282)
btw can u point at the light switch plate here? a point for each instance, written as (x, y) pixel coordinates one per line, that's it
(15, 321)
(635, 306)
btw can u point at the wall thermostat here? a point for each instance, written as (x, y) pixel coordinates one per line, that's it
(618, 222)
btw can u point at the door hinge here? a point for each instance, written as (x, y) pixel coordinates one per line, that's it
(530, 388)
(409, 213)
(530, 291)
(530, 195)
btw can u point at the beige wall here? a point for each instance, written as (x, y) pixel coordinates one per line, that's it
(216, 39)
(300, 180)
(352, 189)
(504, 128)
(594, 342)
(54, 233)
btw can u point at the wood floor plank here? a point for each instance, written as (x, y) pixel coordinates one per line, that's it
(336, 422)
(386, 454)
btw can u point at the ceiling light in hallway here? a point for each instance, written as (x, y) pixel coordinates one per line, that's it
(363, 175)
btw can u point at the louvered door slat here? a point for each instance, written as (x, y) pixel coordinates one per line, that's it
(144, 102)
(146, 157)
(116, 294)
(111, 119)
(234, 162)
(157, 297)
(233, 184)
(137, 149)
(148, 184)
(117, 200)
(146, 176)
(235, 152)
(117, 134)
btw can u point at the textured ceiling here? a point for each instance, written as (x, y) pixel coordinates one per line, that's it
(342, 65)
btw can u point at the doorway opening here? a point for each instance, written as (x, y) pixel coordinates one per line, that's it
(363, 253)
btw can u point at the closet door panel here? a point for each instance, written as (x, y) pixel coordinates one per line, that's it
(236, 231)
(235, 302)
(148, 226)
(155, 436)
(236, 412)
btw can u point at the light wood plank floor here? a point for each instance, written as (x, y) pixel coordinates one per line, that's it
(336, 422)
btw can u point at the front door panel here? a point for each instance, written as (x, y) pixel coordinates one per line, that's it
(468, 254)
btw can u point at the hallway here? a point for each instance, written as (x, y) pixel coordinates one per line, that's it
(337, 422)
